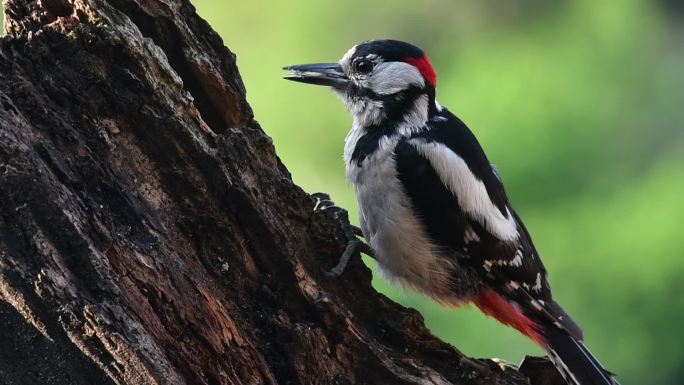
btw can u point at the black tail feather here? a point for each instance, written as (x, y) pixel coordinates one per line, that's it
(574, 360)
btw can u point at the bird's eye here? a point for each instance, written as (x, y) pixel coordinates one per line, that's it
(363, 66)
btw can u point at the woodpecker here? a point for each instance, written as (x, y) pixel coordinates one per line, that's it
(432, 207)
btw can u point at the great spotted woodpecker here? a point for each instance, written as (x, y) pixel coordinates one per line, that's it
(432, 207)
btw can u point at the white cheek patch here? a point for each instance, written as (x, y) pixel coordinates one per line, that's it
(392, 77)
(471, 192)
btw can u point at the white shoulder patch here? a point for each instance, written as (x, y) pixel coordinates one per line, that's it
(471, 192)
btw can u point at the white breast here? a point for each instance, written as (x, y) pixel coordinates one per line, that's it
(402, 247)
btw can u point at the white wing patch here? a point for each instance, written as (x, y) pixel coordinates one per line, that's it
(517, 261)
(537, 284)
(471, 192)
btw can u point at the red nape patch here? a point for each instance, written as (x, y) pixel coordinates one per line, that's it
(494, 305)
(424, 67)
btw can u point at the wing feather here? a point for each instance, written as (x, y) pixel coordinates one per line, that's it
(465, 210)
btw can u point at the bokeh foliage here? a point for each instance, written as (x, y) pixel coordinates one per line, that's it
(579, 104)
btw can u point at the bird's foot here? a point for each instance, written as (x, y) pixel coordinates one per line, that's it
(354, 245)
(326, 205)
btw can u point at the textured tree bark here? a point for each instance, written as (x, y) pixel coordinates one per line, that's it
(149, 234)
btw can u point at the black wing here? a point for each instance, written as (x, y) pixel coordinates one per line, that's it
(510, 266)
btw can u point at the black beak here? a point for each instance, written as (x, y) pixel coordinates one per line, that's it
(323, 74)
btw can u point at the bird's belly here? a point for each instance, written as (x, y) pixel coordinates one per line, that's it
(403, 248)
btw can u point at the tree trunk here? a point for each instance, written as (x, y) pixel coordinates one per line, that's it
(149, 234)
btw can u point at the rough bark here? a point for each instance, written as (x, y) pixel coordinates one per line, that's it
(149, 233)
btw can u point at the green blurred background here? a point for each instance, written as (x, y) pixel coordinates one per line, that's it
(578, 103)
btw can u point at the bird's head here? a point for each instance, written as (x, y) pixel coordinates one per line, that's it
(378, 80)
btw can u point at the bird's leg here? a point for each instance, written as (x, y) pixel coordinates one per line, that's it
(357, 230)
(354, 245)
(351, 249)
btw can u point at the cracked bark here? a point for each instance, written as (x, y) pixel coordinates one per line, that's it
(149, 234)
